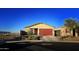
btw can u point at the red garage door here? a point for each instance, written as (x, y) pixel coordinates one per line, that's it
(45, 32)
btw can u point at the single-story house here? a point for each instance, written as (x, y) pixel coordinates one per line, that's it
(42, 29)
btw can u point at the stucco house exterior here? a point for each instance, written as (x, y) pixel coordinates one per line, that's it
(63, 31)
(42, 29)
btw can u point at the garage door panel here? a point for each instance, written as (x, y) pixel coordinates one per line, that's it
(45, 31)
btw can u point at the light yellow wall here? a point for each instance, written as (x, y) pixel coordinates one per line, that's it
(27, 29)
(63, 31)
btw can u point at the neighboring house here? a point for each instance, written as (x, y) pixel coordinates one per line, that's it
(64, 31)
(47, 30)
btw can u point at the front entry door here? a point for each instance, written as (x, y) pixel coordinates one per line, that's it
(35, 31)
(57, 32)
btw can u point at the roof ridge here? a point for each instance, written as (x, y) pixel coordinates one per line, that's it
(37, 24)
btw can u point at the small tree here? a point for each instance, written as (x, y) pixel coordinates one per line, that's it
(71, 24)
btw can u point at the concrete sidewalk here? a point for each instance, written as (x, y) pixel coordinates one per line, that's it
(40, 41)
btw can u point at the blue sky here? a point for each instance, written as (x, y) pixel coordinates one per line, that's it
(15, 19)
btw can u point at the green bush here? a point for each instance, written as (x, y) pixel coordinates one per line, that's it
(32, 37)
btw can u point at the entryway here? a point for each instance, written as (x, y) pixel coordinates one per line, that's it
(36, 31)
(57, 32)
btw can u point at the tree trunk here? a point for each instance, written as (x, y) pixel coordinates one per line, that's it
(71, 32)
(76, 34)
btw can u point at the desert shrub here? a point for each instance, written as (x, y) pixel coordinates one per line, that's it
(32, 37)
(70, 38)
(30, 33)
(65, 37)
(39, 37)
(9, 37)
